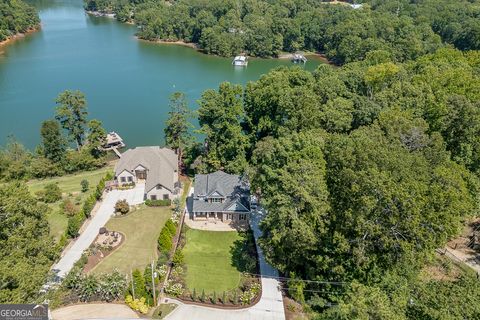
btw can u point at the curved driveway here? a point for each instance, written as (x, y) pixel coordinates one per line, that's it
(270, 306)
(105, 211)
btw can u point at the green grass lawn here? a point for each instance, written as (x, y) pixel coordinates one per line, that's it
(69, 184)
(141, 229)
(209, 260)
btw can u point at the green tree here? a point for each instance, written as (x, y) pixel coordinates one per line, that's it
(97, 137)
(176, 127)
(72, 113)
(53, 142)
(26, 249)
(84, 184)
(220, 117)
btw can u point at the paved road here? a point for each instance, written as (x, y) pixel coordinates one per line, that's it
(94, 311)
(104, 212)
(270, 306)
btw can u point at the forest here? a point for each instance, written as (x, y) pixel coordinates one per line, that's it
(16, 17)
(364, 170)
(405, 29)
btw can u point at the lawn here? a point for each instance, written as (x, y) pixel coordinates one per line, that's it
(70, 186)
(141, 229)
(209, 261)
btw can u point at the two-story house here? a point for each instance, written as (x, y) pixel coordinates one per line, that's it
(221, 196)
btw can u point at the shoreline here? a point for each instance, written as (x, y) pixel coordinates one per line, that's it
(17, 36)
(282, 56)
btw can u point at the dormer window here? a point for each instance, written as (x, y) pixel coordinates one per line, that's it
(216, 200)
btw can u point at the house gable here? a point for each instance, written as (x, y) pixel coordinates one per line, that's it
(140, 167)
(215, 194)
(237, 206)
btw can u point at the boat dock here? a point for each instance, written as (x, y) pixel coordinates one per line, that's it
(114, 142)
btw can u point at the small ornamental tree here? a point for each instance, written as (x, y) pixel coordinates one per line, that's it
(202, 298)
(194, 295)
(214, 298)
(224, 296)
(122, 206)
(84, 184)
(52, 193)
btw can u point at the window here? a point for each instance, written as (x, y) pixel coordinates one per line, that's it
(242, 216)
(230, 216)
(122, 179)
(153, 197)
(159, 187)
(166, 197)
(216, 200)
(130, 179)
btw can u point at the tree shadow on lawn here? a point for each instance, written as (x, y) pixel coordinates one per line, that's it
(244, 253)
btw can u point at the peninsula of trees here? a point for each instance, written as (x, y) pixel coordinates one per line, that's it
(405, 29)
(16, 17)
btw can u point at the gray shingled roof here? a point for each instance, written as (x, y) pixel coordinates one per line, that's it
(161, 164)
(226, 185)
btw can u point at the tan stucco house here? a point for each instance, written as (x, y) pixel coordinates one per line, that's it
(221, 196)
(156, 167)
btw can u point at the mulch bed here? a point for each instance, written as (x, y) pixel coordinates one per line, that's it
(95, 259)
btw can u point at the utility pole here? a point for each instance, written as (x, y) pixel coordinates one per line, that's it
(153, 287)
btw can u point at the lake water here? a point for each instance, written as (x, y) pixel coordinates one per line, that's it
(127, 82)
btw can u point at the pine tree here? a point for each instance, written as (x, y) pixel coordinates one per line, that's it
(203, 296)
(194, 294)
(224, 297)
(214, 299)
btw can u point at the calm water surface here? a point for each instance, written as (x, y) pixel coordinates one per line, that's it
(127, 82)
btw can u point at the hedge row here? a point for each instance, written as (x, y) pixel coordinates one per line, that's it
(75, 222)
(158, 203)
(166, 236)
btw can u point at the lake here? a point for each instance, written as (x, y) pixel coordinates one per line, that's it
(127, 82)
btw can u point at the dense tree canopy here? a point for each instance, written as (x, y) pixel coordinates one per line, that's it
(364, 171)
(16, 17)
(26, 250)
(405, 29)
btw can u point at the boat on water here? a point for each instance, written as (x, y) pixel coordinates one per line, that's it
(299, 57)
(240, 61)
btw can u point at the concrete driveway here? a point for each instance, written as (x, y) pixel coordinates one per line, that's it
(105, 211)
(270, 306)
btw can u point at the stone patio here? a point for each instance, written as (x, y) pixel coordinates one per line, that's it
(215, 225)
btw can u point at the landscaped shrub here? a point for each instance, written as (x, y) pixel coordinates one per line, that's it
(174, 289)
(194, 295)
(248, 295)
(122, 206)
(214, 298)
(106, 287)
(74, 224)
(165, 241)
(139, 289)
(69, 208)
(170, 226)
(52, 193)
(87, 288)
(112, 286)
(137, 304)
(178, 258)
(84, 184)
(158, 203)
